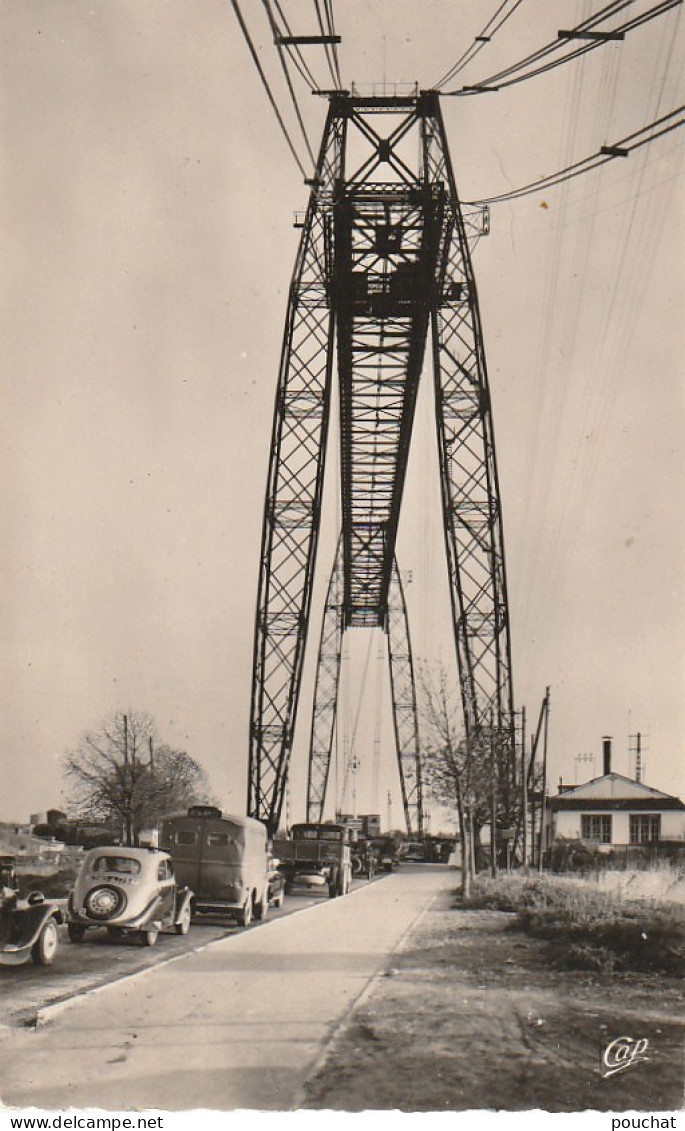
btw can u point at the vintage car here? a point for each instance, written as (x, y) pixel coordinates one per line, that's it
(128, 891)
(28, 927)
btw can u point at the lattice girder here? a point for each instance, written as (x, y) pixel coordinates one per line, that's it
(293, 497)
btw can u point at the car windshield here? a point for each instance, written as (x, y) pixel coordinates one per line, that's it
(124, 865)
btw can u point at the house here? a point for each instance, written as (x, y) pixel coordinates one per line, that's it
(614, 810)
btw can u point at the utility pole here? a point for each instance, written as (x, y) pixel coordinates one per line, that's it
(354, 766)
(533, 811)
(544, 781)
(524, 789)
(126, 814)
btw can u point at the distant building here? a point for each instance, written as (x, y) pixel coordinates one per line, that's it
(32, 852)
(615, 810)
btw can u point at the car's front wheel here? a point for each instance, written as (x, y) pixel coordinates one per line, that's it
(45, 947)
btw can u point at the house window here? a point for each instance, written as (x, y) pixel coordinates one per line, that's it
(644, 827)
(596, 827)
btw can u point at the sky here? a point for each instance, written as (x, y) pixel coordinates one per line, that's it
(148, 199)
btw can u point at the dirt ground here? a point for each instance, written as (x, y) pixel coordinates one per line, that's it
(471, 1015)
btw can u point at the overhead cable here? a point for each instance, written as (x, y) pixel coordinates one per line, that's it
(288, 80)
(622, 148)
(484, 37)
(295, 51)
(267, 88)
(331, 29)
(518, 72)
(330, 57)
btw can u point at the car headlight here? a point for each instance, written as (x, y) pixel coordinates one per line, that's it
(104, 902)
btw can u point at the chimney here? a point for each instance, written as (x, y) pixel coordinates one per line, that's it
(606, 753)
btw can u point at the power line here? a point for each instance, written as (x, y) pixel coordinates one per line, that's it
(267, 88)
(587, 29)
(621, 148)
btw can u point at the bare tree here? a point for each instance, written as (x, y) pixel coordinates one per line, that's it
(119, 774)
(455, 770)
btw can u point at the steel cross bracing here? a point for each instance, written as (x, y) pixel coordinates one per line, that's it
(293, 495)
(403, 698)
(405, 715)
(383, 257)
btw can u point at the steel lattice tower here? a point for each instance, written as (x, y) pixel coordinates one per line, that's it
(383, 265)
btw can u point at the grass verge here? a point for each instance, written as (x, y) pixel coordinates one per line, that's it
(589, 930)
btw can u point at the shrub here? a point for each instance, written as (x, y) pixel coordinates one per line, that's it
(588, 929)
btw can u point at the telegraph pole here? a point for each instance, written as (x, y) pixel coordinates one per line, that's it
(524, 789)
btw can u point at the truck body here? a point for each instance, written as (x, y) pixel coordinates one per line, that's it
(224, 859)
(316, 856)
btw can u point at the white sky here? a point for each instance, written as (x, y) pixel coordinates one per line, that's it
(147, 251)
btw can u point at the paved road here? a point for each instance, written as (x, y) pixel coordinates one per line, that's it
(239, 1024)
(24, 990)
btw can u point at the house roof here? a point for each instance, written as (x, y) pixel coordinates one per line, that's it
(614, 791)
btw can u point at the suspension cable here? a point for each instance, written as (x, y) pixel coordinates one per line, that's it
(327, 48)
(331, 29)
(484, 37)
(267, 88)
(284, 66)
(512, 75)
(621, 148)
(296, 52)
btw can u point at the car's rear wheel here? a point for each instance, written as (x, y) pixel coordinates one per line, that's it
(150, 936)
(45, 947)
(183, 925)
(245, 916)
(76, 933)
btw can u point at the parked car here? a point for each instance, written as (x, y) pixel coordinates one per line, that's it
(223, 858)
(128, 891)
(28, 927)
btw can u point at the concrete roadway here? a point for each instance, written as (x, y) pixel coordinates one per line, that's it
(26, 990)
(239, 1024)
